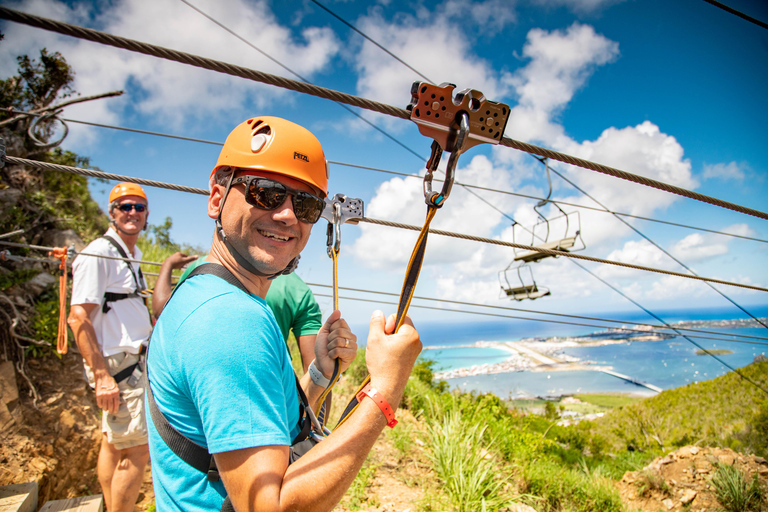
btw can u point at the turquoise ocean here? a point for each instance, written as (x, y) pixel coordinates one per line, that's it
(667, 364)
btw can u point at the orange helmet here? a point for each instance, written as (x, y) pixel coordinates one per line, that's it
(275, 145)
(126, 189)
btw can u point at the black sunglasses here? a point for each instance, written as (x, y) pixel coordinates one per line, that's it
(127, 207)
(267, 194)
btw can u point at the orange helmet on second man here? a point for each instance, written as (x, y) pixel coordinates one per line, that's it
(278, 146)
(126, 189)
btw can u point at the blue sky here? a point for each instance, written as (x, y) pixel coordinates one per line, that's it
(671, 90)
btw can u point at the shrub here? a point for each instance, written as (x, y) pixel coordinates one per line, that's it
(734, 492)
(465, 466)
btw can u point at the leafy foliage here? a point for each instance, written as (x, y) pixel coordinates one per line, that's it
(735, 416)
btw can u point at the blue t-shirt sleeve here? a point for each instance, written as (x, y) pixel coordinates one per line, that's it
(238, 385)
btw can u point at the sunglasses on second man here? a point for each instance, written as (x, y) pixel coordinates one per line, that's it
(127, 207)
(267, 194)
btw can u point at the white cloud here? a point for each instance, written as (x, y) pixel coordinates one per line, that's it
(560, 63)
(402, 200)
(730, 171)
(579, 6)
(174, 94)
(433, 45)
(490, 15)
(697, 247)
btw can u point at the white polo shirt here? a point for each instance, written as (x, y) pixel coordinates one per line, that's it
(126, 326)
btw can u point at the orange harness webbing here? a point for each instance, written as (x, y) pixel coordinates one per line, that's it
(61, 340)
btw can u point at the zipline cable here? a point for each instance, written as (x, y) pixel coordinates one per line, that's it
(265, 54)
(447, 301)
(152, 183)
(47, 166)
(47, 249)
(551, 252)
(621, 323)
(322, 92)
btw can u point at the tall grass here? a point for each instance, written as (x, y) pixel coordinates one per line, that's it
(734, 492)
(467, 469)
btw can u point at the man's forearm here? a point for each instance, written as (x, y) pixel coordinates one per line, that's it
(85, 339)
(306, 345)
(331, 466)
(163, 288)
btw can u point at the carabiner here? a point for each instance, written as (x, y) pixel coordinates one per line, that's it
(432, 198)
(334, 231)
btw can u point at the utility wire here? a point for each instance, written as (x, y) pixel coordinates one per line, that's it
(555, 253)
(5, 255)
(738, 13)
(545, 320)
(565, 203)
(294, 73)
(258, 76)
(398, 59)
(621, 323)
(159, 184)
(408, 175)
(686, 267)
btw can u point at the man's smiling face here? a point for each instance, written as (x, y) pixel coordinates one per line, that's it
(269, 238)
(130, 222)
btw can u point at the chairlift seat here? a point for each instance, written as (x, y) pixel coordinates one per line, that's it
(556, 245)
(526, 292)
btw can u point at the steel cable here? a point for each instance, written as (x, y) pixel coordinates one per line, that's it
(322, 92)
(564, 315)
(550, 252)
(555, 253)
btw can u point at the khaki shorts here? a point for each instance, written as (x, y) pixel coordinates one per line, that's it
(127, 428)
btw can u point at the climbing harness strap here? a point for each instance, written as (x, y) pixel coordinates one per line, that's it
(61, 340)
(198, 456)
(140, 291)
(455, 124)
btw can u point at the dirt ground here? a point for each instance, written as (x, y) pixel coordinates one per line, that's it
(55, 441)
(681, 480)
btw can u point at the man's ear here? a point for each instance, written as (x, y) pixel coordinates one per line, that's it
(214, 201)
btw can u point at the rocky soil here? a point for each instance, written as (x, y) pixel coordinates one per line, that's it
(682, 480)
(55, 441)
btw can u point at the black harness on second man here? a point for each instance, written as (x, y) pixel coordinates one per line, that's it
(138, 280)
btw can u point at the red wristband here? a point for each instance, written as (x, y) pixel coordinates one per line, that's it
(379, 400)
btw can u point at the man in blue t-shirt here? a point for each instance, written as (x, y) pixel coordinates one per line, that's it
(289, 298)
(217, 364)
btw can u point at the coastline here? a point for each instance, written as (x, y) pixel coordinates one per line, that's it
(544, 354)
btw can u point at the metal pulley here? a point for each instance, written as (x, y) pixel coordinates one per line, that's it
(456, 123)
(340, 210)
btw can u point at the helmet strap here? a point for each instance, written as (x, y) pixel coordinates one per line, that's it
(239, 258)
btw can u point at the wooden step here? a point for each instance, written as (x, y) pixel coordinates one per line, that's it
(18, 497)
(93, 503)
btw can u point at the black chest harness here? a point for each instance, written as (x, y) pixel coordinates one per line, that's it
(198, 456)
(138, 280)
